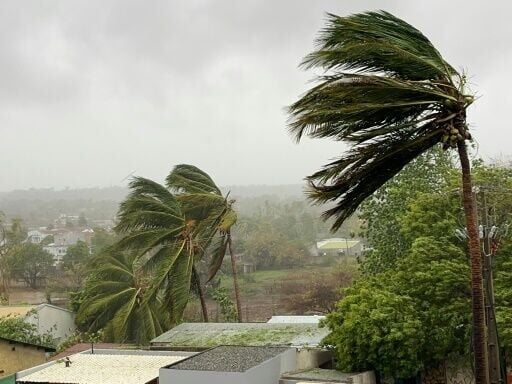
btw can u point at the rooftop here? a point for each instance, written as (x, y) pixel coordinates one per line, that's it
(228, 359)
(81, 347)
(312, 319)
(336, 243)
(103, 368)
(206, 335)
(47, 348)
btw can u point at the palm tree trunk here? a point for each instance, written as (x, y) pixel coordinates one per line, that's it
(235, 279)
(477, 294)
(200, 292)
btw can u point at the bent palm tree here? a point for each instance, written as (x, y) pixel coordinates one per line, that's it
(202, 200)
(391, 96)
(155, 227)
(116, 303)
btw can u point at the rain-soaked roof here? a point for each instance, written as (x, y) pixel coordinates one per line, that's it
(206, 335)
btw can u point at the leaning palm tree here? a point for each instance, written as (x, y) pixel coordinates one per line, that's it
(202, 200)
(154, 226)
(116, 302)
(391, 96)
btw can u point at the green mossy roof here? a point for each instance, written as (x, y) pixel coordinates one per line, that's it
(205, 335)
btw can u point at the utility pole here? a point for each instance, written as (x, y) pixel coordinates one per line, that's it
(487, 234)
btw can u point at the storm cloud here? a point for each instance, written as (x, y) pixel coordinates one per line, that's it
(92, 91)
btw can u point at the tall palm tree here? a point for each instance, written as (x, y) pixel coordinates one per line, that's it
(154, 226)
(116, 301)
(202, 200)
(391, 96)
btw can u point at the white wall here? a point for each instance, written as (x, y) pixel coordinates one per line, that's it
(60, 322)
(267, 372)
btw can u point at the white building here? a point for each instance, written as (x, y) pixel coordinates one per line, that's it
(63, 238)
(57, 251)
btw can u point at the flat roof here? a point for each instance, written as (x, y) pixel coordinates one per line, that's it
(47, 348)
(228, 359)
(296, 319)
(336, 243)
(103, 368)
(206, 335)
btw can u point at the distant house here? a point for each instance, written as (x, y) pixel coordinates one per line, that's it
(63, 238)
(17, 355)
(36, 236)
(339, 247)
(47, 318)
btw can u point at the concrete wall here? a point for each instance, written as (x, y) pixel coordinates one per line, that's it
(367, 377)
(267, 372)
(308, 358)
(59, 322)
(15, 357)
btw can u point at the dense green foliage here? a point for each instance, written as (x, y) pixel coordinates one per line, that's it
(399, 322)
(114, 301)
(75, 261)
(16, 328)
(31, 263)
(382, 213)
(429, 277)
(141, 285)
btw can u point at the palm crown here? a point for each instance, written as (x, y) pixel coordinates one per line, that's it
(388, 92)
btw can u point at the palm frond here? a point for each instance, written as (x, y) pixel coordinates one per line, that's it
(349, 107)
(185, 178)
(388, 93)
(218, 253)
(377, 42)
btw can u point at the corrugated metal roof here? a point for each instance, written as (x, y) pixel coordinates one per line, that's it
(81, 347)
(205, 335)
(105, 369)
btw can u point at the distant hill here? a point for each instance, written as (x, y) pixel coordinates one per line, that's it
(48, 194)
(39, 207)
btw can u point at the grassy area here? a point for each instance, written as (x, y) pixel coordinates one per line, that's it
(265, 282)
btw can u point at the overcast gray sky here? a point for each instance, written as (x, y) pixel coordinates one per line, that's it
(93, 90)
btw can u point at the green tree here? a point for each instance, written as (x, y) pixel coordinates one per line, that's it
(429, 174)
(31, 263)
(391, 95)
(75, 260)
(11, 239)
(400, 322)
(47, 240)
(102, 239)
(153, 224)
(203, 201)
(16, 328)
(115, 300)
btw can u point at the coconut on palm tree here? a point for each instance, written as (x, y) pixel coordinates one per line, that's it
(203, 201)
(391, 96)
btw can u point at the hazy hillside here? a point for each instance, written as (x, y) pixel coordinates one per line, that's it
(39, 207)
